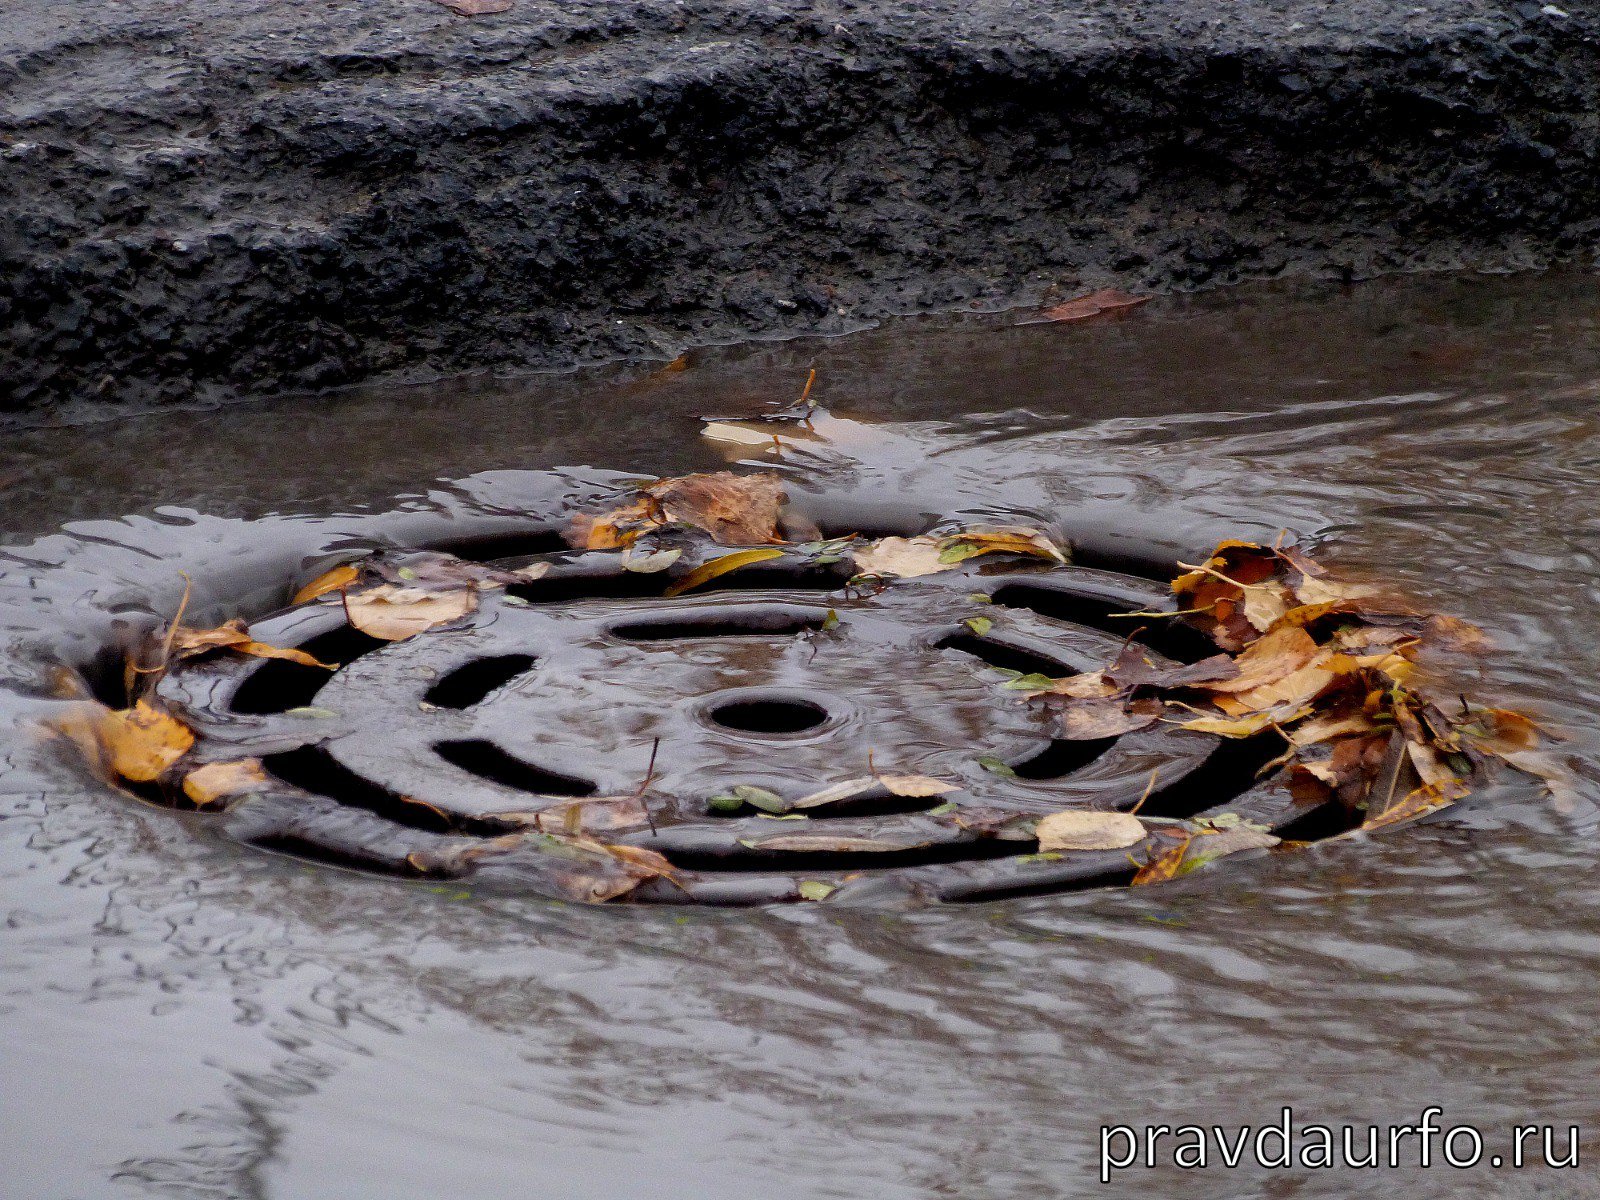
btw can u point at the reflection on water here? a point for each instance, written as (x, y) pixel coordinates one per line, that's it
(183, 1018)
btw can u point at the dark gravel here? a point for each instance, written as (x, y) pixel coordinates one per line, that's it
(219, 197)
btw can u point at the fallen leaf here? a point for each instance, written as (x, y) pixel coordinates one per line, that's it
(143, 741)
(707, 571)
(994, 765)
(816, 889)
(909, 558)
(476, 8)
(1091, 685)
(1267, 660)
(1245, 726)
(1162, 865)
(1418, 802)
(902, 558)
(1133, 668)
(333, 580)
(836, 792)
(737, 435)
(756, 797)
(394, 612)
(232, 635)
(1000, 539)
(736, 510)
(816, 843)
(219, 782)
(979, 625)
(648, 562)
(1094, 720)
(1076, 830)
(916, 786)
(1092, 305)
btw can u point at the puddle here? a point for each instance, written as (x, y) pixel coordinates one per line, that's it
(184, 1017)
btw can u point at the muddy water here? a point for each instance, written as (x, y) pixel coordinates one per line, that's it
(184, 1017)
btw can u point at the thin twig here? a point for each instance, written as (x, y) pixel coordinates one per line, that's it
(1148, 788)
(172, 636)
(644, 786)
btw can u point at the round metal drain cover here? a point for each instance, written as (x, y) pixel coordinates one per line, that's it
(786, 731)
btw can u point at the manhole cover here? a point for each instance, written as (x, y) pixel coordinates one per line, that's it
(958, 716)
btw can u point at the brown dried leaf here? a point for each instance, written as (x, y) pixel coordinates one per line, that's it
(394, 612)
(1133, 668)
(232, 635)
(1092, 305)
(1269, 659)
(736, 510)
(476, 8)
(1092, 720)
(1078, 830)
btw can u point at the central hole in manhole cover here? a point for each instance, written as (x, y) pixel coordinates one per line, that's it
(769, 716)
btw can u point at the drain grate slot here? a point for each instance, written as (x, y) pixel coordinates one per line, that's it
(1062, 757)
(466, 686)
(1003, 657)
(312, 768)
(277, 685)
(488, 761)
(742, 625)
(1159, 633)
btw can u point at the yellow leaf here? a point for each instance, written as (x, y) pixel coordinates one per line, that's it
(1078, 830)
(143, 741)
(707, 571)
(329, 581)
(232, 635)
(218, 782)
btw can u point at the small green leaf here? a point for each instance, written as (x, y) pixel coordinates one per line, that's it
(309, 712)
(830, 622)
(515, 601)
(979, 625)
(827, 560)
(947, 807)
(758, 797)
(1028, 683)
(990, 763)
(724, 804)
(815, 889)
(958, 552)
(406, 573)
(1225, 820)
(782, 816)
(1047, 856)
(981, 598)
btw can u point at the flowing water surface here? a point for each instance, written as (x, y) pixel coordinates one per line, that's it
(182, 1016)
